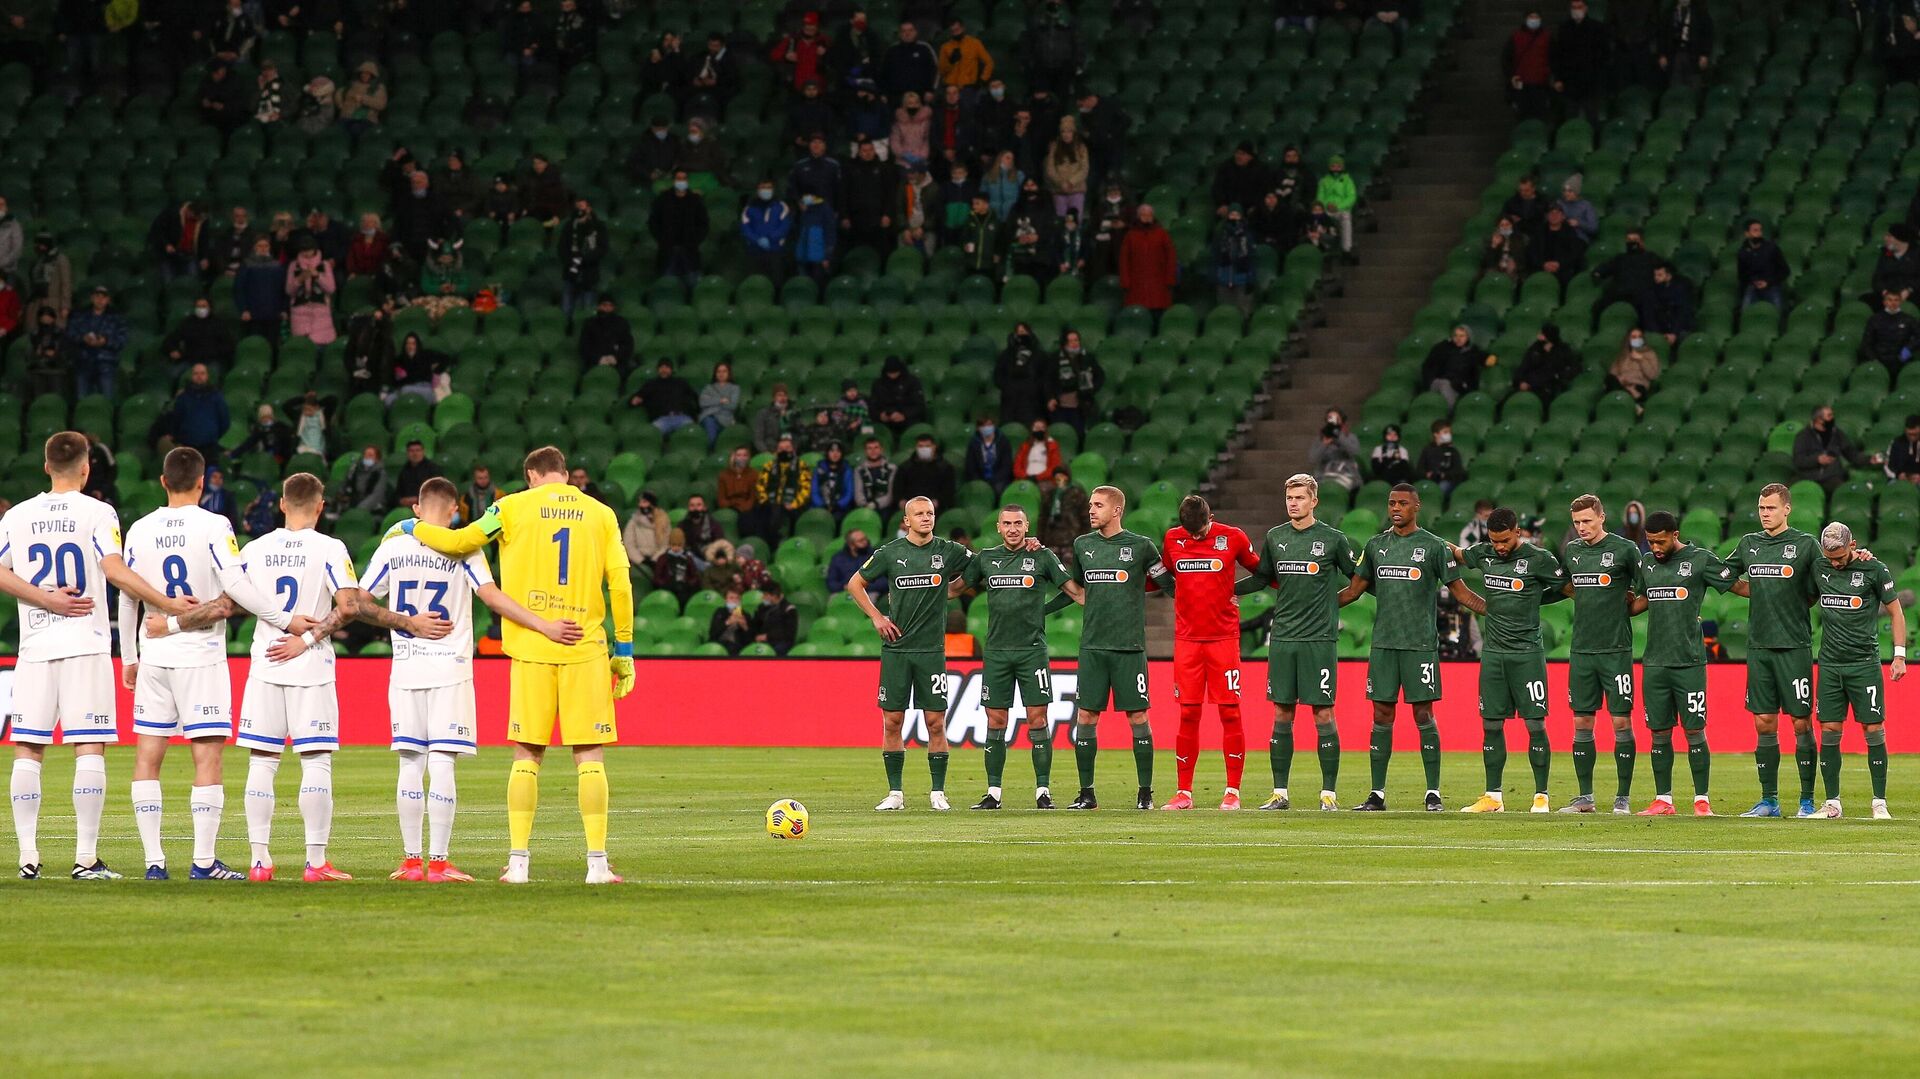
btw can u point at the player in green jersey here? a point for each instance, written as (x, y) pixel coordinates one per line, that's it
(1778, 563)
(1519, 578)
(1669, 585)
(1405, 567)
(1600, 567)
(1017, 579)
(1309, 562)
(1116, 568)
(1852, 594)
(913, 666)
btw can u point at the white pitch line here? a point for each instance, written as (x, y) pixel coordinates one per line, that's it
(1334, 883)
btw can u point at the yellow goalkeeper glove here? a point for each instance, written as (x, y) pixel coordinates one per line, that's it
(622, 673)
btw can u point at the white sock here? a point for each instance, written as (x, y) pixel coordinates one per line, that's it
(261, 771)
(411, 797)
(1667, 798)
(1497, 796)
(994, 793)
(146, 817)
(26, 808)
(440, 803)
(89, 802)
(316, 803)
(1235, 791)
(207, 804)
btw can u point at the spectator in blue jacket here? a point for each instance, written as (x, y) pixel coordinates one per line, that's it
(199, 414)
(817, 239)
(833, 481)
(260, 291)
(765, 225)
(97, 335)
(847, 561)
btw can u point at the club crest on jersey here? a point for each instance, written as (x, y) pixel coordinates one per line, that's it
(1219, 543)
(1319, 549)
(939, 562)
(1787, 552)
(1686, 569)
(1520, 567)
(1859, 579)
(1606, 558)
(1126, 554)
(1419, 554)
(1026, 565)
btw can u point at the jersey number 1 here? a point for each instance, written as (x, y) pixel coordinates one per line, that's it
(564, 538)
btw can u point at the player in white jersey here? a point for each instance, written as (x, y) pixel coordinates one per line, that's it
(431, 694)
(179, 680)
(67, 540)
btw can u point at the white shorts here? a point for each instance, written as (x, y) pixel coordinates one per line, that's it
(271, 715)
(188, 702)
(74, 695)
(439, 719)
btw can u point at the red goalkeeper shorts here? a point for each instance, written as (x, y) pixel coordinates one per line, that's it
(1204, 670)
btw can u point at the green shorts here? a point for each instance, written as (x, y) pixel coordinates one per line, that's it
(1780, 680)
(1857, 685)
(913, 680)
(1513, 683)
(1394, 672)
(1303, 672)
(1597, 680)
(1119, 675)
(1024, 668)
(1675, 695)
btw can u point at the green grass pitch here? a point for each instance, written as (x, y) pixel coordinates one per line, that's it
(968, 944)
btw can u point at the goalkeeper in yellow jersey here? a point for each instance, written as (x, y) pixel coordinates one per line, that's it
(557, 546)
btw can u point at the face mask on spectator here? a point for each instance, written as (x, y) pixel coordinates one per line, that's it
(998, 92)
(1533, 22)
(766, 194)
(925, 453)
(679, 185)
(1637, 342)
(201, 312)
(694, 137)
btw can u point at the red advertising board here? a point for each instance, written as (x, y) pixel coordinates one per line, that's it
(815, 702)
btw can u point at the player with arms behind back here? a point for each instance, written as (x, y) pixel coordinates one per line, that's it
(919, 569)
(1778, 563)
(68, 542)
(1669, 584)
(1600, 568)
(1200, 554)
(430, 697)
(1852, 595)
(560, 556)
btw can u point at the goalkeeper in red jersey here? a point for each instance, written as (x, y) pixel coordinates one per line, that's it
(1199, 554)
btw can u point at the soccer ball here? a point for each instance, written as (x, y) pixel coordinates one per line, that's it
(787, 819)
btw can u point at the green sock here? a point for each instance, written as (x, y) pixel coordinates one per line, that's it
(896, 762)
(1877, 761)
(1280, 752)
(1042, 757)
(1380, 751)
(1623, 750)
(1539, 753)
(1493, 751)
(1806, 756)
(1583, 753)
(996, 755)
(1430, 751)
(1766, 761)
(1086, 747)
(1329, 755)
(1830, 763)
(1663, 763)
(937, 770)
(1143, 753)
(1699, 761)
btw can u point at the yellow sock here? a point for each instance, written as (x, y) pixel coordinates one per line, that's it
(523, 797)
(593, 804)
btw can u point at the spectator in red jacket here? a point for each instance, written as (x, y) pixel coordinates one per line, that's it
(368, 251)
(1529, 68)
(802, 54)
(1038, 457)
(1148, 266)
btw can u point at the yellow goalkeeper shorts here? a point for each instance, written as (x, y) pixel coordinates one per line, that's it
(579, 695)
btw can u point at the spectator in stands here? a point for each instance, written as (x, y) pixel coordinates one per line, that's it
(1475, 530)
(463, 189)
(1389, 461)
(1334, 458)
(765, 224)
(1021, 373)
(480, 494)
(645, 533)
(1069, 248)
(1063, 514)
(543, 193)
(216, 499)
(1903, 455)
(734, 487)
(1275, 222)
(654, 153)
(1899, 45)
(965, 62)
(230, 243)
(1762, 269)
(1526, 208)
(199, 338)
(1686, 43)
(979, 239)
(1636, 368)
(847, 561)
(721, 575)
(1111, 219)
(606, 338)
(922, 212)
(1580, 213)
(1581, 52)
(1666, 307)
(49, 281)
(850, 411)
(416, 470)
(443, 280)
(1148, 265)
(1528, 65)
(730, 627)
(1507, 252)
(909, 139)
(1890, 335)
(715, 79)
(703, 530)
(368, 249)
(315, 111)
(925, 473)
(330, 236)
(1452, 367)
(366, 486)
(833, 482)
(678, 225)
(719, 402)
(501, 205)
(1560, 250)
(48, 369)
(774, 421)
(1050, 51)
(1898, 268)
(1038, 458)
(582, 247)
(897, 399)
(1822, 452)
(952, 136)
(363, 100)
(223, 99)
(1233, 262)
(816, 239)
(421, 217)
(1030, 235)
(310, 289)
(675, 569)
(702, 158)
(96, 336)
(815, 174)
(989, 458)
(872, 210)
(669, 399)
(786, 489)
(198, 416)
(310, 427)
(909, 66)
(1549, 366)
(1441, 461)
(370, 352)
(956, 201)
(821, 433)
(1002, 184)
(1625, 276)
(1075, 384)
(179, 241)
(574, 36)
(666, 69)
(854, 57)
(803, 55)
(1633, 525)
(1069, 163)
(777, 622)
(1241, 179)
(1337, 193)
